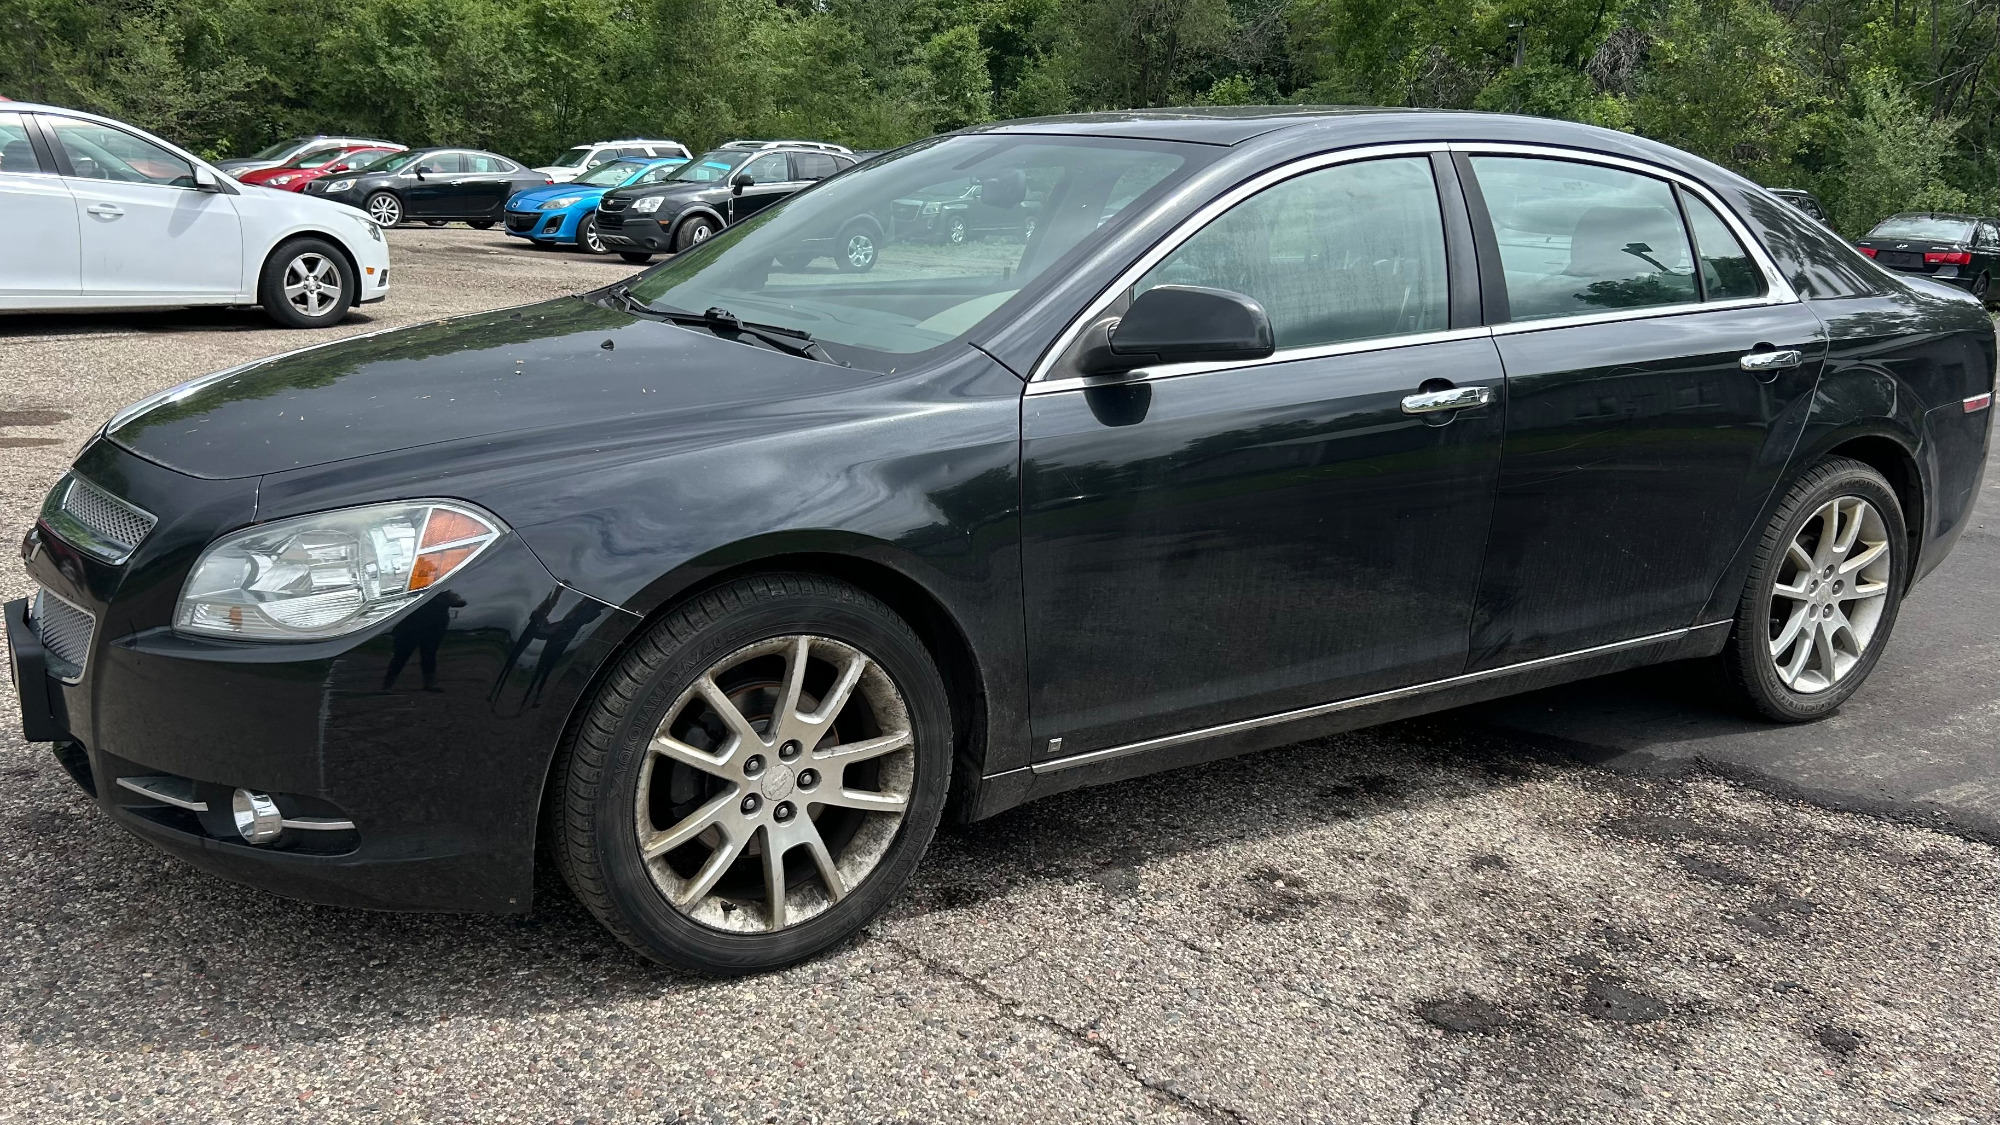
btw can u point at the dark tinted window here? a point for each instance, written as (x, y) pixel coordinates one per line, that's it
(813, 165)
(17, 154)
(1350, 252)
(1726, 269)
(1581, 238)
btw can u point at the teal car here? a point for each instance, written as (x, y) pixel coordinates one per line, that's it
(566, 214)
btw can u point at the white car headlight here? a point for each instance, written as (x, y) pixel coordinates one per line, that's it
(283, 179)
(325, 575)
(649, 204)
(559, 204)
(930, 208)
(340, 185)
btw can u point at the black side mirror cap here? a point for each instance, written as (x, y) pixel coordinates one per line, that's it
(1180, 324)
(740, 181)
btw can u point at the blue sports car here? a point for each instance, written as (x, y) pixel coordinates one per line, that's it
(566, 214)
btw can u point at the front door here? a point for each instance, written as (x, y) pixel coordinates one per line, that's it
(1640, 447)
(435, 190)
(1232, 541)
(773, 175)
(143, 227)
(42, 258)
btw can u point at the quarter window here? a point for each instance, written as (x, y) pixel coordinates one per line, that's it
(17, 153)
(488, 165)
(1580, 238)
(1727, 273)
(1351, 252)
(99, 152)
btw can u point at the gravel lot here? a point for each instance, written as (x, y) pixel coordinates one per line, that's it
(1424, 922)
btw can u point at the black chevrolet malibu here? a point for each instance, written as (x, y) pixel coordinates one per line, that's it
(435, 185)
(728, 582)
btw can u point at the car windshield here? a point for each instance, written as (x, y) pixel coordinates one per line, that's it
(710, 166)
(858, 263)
(1934, 228)
(272, 152)
(571, 158)
(612, 174)
(392, 162)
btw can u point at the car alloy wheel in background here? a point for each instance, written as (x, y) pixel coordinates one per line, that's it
(857, 252)
(1824, 590)
(757, 778)
(385, 209)
(587, 238)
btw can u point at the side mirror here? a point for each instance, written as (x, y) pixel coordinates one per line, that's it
(205, 180)
(1180, 324)
(740, 181)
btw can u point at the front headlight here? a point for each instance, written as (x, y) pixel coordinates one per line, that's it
(325, 575)
(374, 228)
(649, 204)
(283, 179)
(565, 201)
(930, 208)
(340, 185)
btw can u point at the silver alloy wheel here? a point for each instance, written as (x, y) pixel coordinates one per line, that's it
(860, 250)
(699, 235)
(385, 210)
(591, 239)
(1027, 228)
(956, 230)
(312, 284)
(795, 743)
(1829, 595)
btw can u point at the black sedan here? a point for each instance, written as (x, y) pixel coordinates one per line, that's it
(727, 583)
(1961, 250)
(434, 185)
(711, 192)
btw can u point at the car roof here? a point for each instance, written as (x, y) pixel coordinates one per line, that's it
(1215, 125)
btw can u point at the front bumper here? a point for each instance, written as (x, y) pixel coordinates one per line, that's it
(639, 233)
(542, 226)
(431, 733)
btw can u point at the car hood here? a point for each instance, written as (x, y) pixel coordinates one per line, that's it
(672, 192)
(565, 364)
(556, 191)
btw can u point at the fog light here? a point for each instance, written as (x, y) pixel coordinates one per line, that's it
(258, 820)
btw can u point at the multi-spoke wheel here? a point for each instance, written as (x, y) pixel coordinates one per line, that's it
(1823, 593)
(385, 208)
(306, 284)
(759, 777)
(857, 250)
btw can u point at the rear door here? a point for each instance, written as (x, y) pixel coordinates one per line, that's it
(43, 257)
(143, 228)
(1215, 542)
(485, 185)
(1640, 448)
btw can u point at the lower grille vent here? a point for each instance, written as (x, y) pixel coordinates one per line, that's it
(65, 632)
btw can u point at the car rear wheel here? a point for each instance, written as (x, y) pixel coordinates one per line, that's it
(587, 238)
(1823, 593)
(1982, 289)
(858, 250)
(306, 284)
(694, 232)
(757, 778)
(385, 209)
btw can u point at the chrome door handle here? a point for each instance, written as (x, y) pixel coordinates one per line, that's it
(1455, 398)
(1771, 361)
(105, 210)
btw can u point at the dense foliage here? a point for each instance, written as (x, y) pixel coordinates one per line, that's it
(1877, 105)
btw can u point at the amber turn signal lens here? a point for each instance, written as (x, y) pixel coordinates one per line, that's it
(435, 565)
(447, 526)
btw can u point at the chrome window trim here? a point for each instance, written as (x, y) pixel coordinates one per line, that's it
(1777, 290)
(1089, 757)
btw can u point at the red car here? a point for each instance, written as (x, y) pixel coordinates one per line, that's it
(296, 173)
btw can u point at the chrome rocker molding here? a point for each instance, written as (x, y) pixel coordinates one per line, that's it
(1163, 742)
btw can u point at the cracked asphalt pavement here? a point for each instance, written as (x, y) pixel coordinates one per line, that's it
(1445, 920)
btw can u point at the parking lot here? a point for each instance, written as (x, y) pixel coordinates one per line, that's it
(1607, 902)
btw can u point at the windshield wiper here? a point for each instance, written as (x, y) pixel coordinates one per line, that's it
(722, 322)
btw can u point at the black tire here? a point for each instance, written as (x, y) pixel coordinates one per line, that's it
(695, 230)
(592, 832)
(436, 222)
(315, 261)
(386, 208)
(636, 257)
(587, 239)
(1983, 289)
(1748, 662)
(857, 249)
(480, 224)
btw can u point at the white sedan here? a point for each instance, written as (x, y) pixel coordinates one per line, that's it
(105, 216)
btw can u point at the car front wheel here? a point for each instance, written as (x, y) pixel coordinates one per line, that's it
(757, 778)
(587, 238)
(1824, 590)
(693, 233)
(306, 284)
(385, 209)
(636, 257)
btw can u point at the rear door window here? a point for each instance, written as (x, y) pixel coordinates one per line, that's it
(1727, 272)
(1351, 252)
(17, 153)
(1580, 238)
(813, 165)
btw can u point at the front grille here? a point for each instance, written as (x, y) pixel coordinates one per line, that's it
(610, 222)
(65, 631)
(613, 203)
(1901, 259)
(518, 223)
(94, 521)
